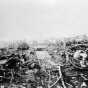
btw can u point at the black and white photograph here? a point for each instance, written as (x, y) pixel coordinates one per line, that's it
(43, 43)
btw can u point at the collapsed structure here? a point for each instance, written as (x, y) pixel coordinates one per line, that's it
(63, 64)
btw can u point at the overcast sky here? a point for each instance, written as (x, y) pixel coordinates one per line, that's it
(42, 19)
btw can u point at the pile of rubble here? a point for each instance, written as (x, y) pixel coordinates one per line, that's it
(62, 64)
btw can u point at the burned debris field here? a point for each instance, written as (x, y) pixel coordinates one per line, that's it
(59, 64)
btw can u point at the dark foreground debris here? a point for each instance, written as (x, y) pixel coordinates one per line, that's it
(62, 64)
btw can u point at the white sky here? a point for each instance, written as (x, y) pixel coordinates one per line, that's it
(42, 19)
